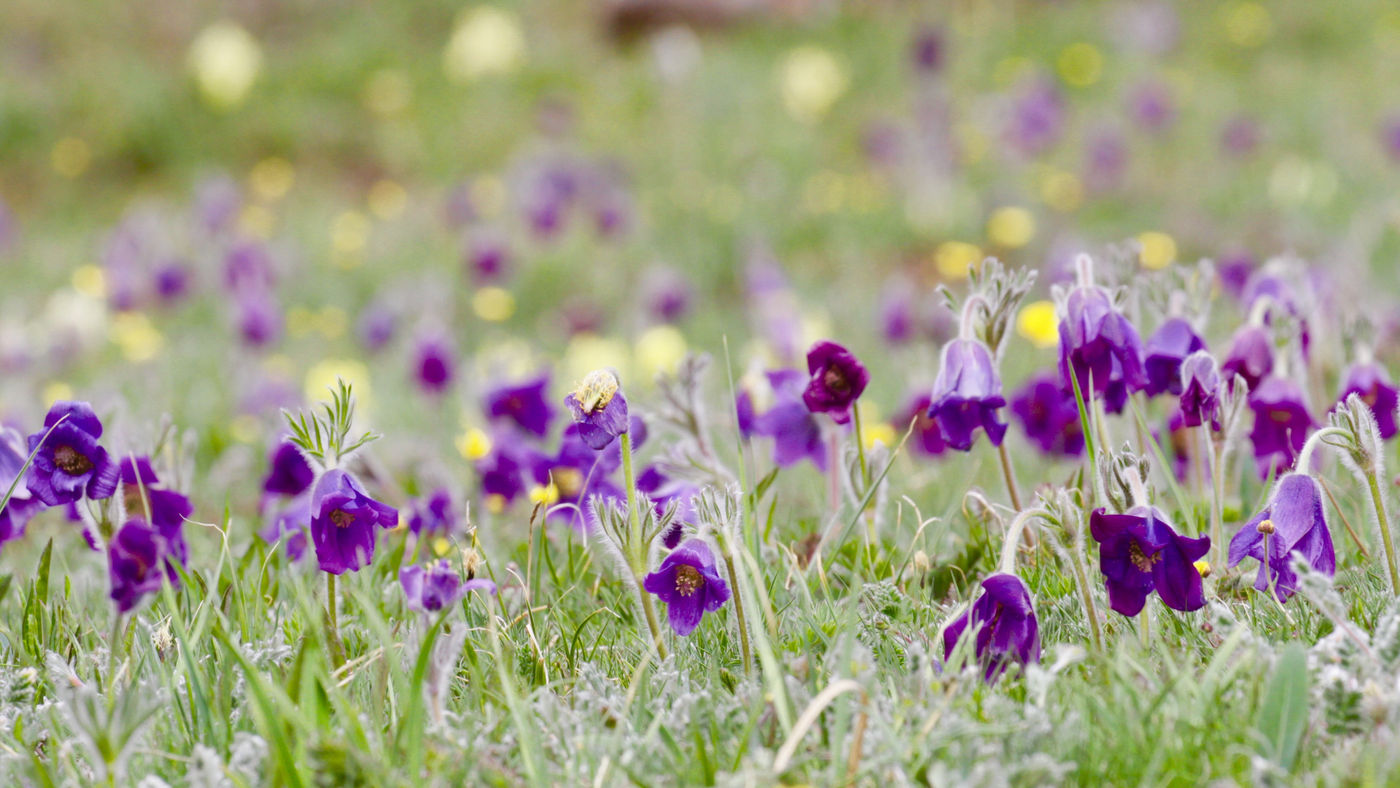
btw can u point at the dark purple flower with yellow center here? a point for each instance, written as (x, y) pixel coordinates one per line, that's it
(1101, 347)
(1166, 349)
(795, 430)
(22, 504)
(1251, 355)
(134, 560)
(1294, 521)
(1002, 622)
(837, 379)
(1281, 424)
(289, 473)
(967, 395)
(345, 522)
(1200, 391)
(435, 515)
(69, 464)
(577, 473)
(690, 585)
(144, 497)
(599, 409)
(1049, 416)
(1372, 383)
(432, 588)
(928, 436)
(1139, 553)
(523, 404)
(434, 365)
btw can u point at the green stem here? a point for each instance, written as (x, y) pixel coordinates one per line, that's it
(1010, 475)
(860, 446)
(739, 610)
(112, 652)
(636, 550)
(1386, 538)
(333, 625)
(1215, 455)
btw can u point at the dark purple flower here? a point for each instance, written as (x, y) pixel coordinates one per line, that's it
(1251, 355)
(134, 560)
(1200, 390)
(172, 280)
(487, 259)
(524, 404)
(437, 586)
(435, 514)
(1101, 346)
(433, 364)
(795, 430)
(259, 317)
(70, 464)
(345, 522)
(690, 585)
(288, 473)
(1281, 424)
(928, 436)
(144, 497)
(248, 267)
(22, 504)
(1234, 271)
(1370, 380)
(1139, 552)
(836, 382)
(1293, 521)
(1002, 621)
(967, 394)
(1049, 416)
(599, 409)
(289, 522)
(1173, 341)
(897, 319)
(928, 50)
(667, 294)
(502, 471)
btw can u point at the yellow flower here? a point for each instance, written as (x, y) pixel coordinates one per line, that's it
(1158, 250)
(486, 40)
(70, 157)
(547, 495)
(1011, 227)
(138, 339)
(322, 376)
(954, 258)
(1080, 64)
(659, 349)
(811, 80)
(493, 304)
(474, 443)
(225, 60)
(1038, 323)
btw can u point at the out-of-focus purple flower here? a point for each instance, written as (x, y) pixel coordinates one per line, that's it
(172, 281)
(664, 491)
(434, 365)
(928, 436)
(1200, 390)
(599, 410)
(523, 404)
(435, 515)
(1152, 106)
(883, 144)
(22, 505)
(796, 433)
(929, 50)
(289, 473)
(259, 317)
(345, 522)
(1370, 380)
(667, 294)
(1037, 117)
(1106, 160)
(504, 469)
(487, 259)
(1281, 424)
(897, 319)
(1003, 623)
(248, 266)
(376, 326)
(144, 497)
(134, 560)
(1101, 346)
(457, 208)
(290, 521)
(1240, 136)
(432, 588)
(69, 464)
(1173, 341)
(1139, 552)
(967, 395)
(1390, 136)
(689, 583)
(837, 379)
(1293, 521)
(1234, 271)
(1049, 416)
(217, 202)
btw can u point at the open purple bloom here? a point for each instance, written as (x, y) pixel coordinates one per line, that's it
(837, 380)
(134, 560)
(1101, 347)
(70, 464)
(1049, 416)
(345, 522)
(502, 472)
(433, 364)
(599, 409)
(144, 497)
(1139, 553)
(1200, 391)
(1251, 355)
(1281, 424)
(22, 505)
(524, 404)
(433, 515)
(1173, 341)
(1294, 521)
(967, 394)
(1370, 380)
(796, 433)
(1003, 622)
(690, 585)
(430, 589)
(289, 472)
(928, 436)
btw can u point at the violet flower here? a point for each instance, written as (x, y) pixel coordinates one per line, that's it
(1251, 355)
(1294, 521)
(288, 473)
(1049, 416)
(289, 523)
(433, 364)
(70, 464)
(1168, 346)
(1200, 391)
(144, 497)
(345, 522)
(1139, 553)
(134, 563)
(795, 430)
(22, 505)
(967, 394)
(524, 404)
(1370, 380)
(599, 409)
(376, 326)
(928, 436)
(1281, 424)
(487, 259)
(1003, 623)
(663, 492)
(689, 583)
(434, 515)
(1100, 345)
(837, 381)
(432, 588)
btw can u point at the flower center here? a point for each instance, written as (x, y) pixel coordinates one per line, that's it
(688, 580)
(1142, 561)
(835, 380)
(596, 391)
(71, 461)
(342, 518)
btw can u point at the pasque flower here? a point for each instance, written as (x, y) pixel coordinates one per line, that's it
(433, 515)
(345, 522)
(143, 496)
(1049, 416)
(1003, 623)
(432, 588)
(134, 560)
(69, 463)
(1281, 424)
(796, 433)
(599, 409)
(22, 504)
(433, 363)
(1139, 553)
(928, 436)
(1294, 521)
(1251, 355)
(1166, 349)
(1370, 380)
(289, 473)
(523, 404)
(967, 394)
(1099, 345)
(1200, 391)
(837, 381)
(689, 583)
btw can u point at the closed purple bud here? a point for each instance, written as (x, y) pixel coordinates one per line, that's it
(1294, 521)
(967, 394)
(837, 379)
(345, 522)
(1004, 626)
(690, 585)
(1139, 553)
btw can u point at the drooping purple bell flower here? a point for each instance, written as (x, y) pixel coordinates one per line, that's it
(1251, 355)
(22, 504)
(434, 515)
(1281, 424)
(134, 560)
(599, 409)
(523, 404)
(1200, 391)
(1004, 624)
(288, 473)
(1293, 521)
(837, 381)
(1372, 383)
(144, 496)
(70, 464)
(1139, 553)
(1168, 346)
(928, 436)
(345, 522)
(1101, 346)
(434, 365)
(967, 395)
(690, 585)
(1049, 416)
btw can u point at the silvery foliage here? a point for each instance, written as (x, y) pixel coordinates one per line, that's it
(692, 456)
(1122, 477)
(1359, 443)
(611, 519)
(998, 291)
(106, 725)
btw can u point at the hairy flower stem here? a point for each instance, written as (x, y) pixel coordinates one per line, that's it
(1010, 475)
(1086, 596)
(1387, 539)
(636, 547)
(738, 608)
(337, 654)
(1215, 461)
(1013, 540)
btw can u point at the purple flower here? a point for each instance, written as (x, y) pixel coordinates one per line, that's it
(1037, 117)
(1107, 155)
(967, 394)
(1102, 348)
(21, 505)
(345, 522)
(486, 259)
(1251, 355)
(376, 326)
(524, 404)
(172, 280)
(70, 464)
(1139, 553)
(259, 317)
(289, 473)
(928, 436)
(289, 522)
(433, 588)
(795, 430)
(1293, 521)
(1049, 416)
(929, 50)
(1003, 622)
(144, 497)
(1370, 380)
(663, 491)
(434, 514)
(248, 266)
(1240, 136)
(502, 471)
(1281, 424)
(1152, 106)
(217, 201)
(1200, 391)
(690, 585)
(667, 294)
(433, 364)
(836, 382)
(134, 563)
(1173, 341)
(599, 409)
(1390, 136)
